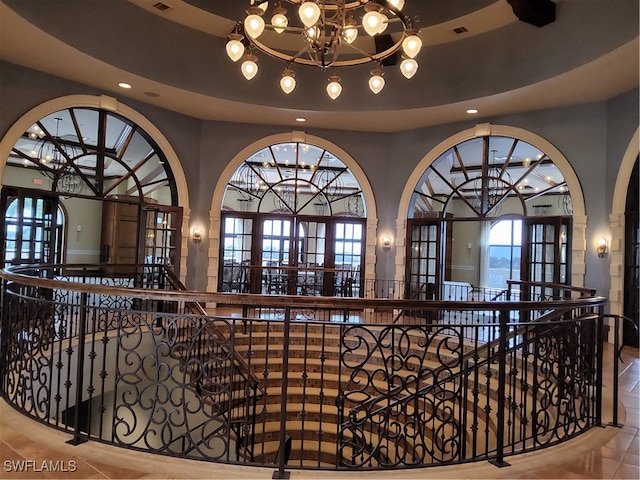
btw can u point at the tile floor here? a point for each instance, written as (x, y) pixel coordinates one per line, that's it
(602, 453)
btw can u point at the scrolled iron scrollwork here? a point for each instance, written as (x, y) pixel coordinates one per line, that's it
(404, 398)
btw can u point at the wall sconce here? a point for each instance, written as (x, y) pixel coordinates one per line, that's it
(602, 247)
(196, 235)
(386, 242)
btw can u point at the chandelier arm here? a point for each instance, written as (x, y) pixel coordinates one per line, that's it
(297, 58)
(376, 57)
(330, 41)
(367, 57)
(347, 5)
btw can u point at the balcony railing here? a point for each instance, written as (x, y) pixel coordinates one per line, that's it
(123, 356)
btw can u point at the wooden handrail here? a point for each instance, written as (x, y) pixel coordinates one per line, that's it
(558, 286)
(244, 366)
(12, 274)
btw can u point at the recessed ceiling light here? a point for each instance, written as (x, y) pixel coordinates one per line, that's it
(301, 119)
(124, 85)
(472, 111)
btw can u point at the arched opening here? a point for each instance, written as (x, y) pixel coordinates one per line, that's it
(293, 221)
(632, 258)
(486, 179)
(110, 176)
(624, 246)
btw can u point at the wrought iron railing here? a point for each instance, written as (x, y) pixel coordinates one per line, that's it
(333, 381)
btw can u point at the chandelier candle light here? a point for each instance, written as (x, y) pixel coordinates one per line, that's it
(328, 34)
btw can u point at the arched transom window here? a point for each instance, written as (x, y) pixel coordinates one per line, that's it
(294, 178)
(92, 152)
(490, 176)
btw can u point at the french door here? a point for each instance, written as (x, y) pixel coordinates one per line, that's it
(429, 254)
(292, 255)
(161, 236)
(32, 232)
(546, 253)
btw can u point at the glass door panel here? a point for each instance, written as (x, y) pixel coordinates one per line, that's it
(294, 255)
(161, 236)
(310, 253)
(276, 250)
(348, 257)
(424, 257)
(236, 274)
(32, 230)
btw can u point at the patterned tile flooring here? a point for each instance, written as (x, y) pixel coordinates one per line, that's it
(602, 453)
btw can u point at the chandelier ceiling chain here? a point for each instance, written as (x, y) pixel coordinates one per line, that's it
(328, 34)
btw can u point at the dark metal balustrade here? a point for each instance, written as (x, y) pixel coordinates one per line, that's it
(339, 383)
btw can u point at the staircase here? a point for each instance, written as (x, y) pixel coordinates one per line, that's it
(374, 396)
(350, 412)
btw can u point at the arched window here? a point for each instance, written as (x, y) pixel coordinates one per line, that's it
(486, 210)
(113, 180)
(293, 222)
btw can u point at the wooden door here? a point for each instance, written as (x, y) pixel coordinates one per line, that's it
(119, 233)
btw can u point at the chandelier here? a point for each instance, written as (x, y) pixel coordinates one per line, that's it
(53, 157)
(327, 34)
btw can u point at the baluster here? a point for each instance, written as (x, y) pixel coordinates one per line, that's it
(502, 376)
(77, 436)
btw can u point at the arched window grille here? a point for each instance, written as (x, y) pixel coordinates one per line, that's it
(489, 176)
(92, 152)
(294, 178)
